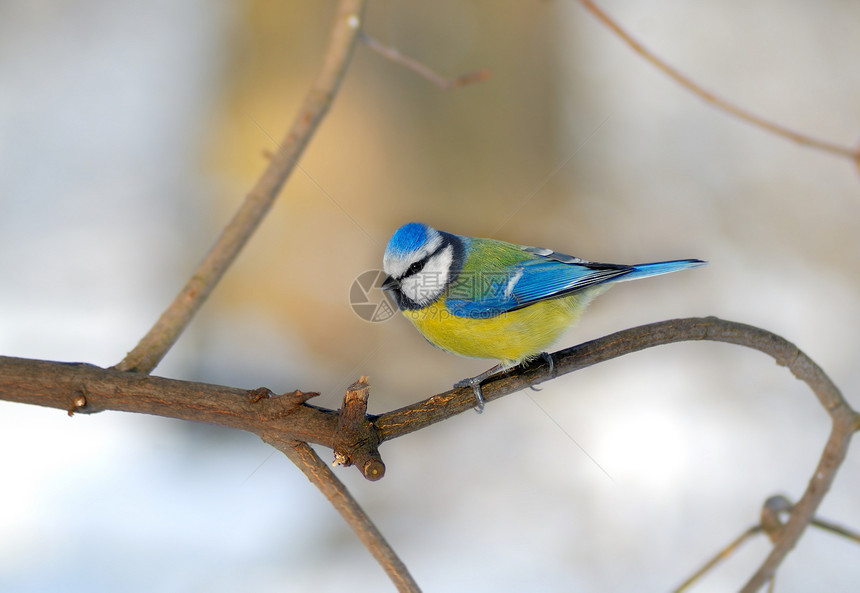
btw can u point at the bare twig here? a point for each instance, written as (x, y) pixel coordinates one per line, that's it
(719, 557)
(319, 473)
(420, 69)
(155, 344)
(772, 525)
(837, 529)
(714, 100)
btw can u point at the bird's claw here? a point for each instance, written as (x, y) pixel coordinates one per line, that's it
(548, 358)
(475, 384)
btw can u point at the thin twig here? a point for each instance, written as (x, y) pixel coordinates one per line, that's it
(394, 55)
(773, 526)
(321, 476)
(719, 557)
(714, 100)
(837, 529)
(155, 344)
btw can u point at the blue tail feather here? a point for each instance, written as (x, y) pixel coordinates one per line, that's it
(657, 268)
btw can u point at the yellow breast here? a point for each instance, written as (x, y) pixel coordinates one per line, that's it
(510, 337)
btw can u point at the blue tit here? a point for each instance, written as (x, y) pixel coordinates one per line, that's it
(484, 298)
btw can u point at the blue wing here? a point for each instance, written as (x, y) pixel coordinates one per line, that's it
(548, 275)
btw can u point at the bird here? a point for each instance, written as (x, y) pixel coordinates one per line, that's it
(485, 298)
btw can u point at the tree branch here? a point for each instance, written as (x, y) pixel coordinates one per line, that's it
(87, 389)
(321, 476)
(359, 440)
(420, 69)
(443, 405)
(288, 422)
(284, 421)
(714, 100)
(845, 420)
(82, 388)
(772, 525)
(155, 344)
(719, 557)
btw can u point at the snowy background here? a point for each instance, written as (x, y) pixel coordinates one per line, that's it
(128, 134)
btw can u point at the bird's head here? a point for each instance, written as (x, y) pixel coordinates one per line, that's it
(419, 262)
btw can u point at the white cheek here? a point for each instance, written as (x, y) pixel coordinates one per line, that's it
(425, 287)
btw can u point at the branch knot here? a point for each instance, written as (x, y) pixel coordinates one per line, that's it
(273, 406)
(357, 440)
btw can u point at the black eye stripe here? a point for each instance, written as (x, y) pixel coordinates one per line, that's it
(419, 265)
(416, 267)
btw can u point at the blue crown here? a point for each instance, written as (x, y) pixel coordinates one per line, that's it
(408, 238)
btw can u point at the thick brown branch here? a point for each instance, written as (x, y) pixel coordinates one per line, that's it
(82, 388)
(444, 405)
(87, 389)
(155, 344)
(284, 421)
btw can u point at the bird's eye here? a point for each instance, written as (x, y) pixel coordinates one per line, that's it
(415, 268)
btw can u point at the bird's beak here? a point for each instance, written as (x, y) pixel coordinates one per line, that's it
(390, 283)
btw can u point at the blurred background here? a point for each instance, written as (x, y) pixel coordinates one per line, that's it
(130, 132)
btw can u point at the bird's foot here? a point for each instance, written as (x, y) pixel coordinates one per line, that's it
(548, 358)
(475, 384)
